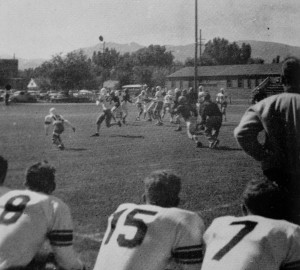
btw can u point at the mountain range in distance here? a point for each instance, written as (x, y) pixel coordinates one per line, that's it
(260, 49)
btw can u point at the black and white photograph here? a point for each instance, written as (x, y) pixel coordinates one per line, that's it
(149, 135)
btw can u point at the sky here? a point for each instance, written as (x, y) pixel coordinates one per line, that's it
(42, 28)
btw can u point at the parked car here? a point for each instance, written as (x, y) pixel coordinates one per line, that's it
(62, 98)
(22, 96)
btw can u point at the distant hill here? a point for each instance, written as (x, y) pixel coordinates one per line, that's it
(260, 49)
(269, 50)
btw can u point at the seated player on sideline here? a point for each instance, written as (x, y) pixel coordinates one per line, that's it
(261, 240)
(105, 100)
(152, 235)
(184, 110)
(58, 123)
(28, 218)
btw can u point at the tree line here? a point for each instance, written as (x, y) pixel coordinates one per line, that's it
(150, 65)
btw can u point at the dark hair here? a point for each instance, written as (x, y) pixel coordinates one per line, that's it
(162, 188)
(40, 177)
(290, 73)
(3, 169)
(8, 87)
(264, 198)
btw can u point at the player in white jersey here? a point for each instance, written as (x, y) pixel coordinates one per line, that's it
(221, 99)
(27, 219)
(261, 240)
(107, 103)
(158, 105)
(153, 235)
(58, 123)
(168, 104)
(140, 104)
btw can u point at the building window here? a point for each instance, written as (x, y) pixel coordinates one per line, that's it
(240, 83)
(229, 83)
(180, 84)
(249, 83)
(173, 84)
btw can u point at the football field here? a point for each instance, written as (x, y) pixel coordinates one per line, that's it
(95, 175)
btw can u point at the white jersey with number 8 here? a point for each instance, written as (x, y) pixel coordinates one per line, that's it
(27, 220)
(251, 243)
(149, 237)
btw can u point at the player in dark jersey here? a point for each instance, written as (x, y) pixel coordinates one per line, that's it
(184, 111)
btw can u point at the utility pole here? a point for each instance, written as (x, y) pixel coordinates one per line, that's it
(200, 45)
(196, 45)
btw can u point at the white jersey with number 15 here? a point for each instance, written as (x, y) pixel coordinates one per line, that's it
(251, 243)
(148, 237)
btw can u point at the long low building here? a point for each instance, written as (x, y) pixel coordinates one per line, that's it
(232, 77)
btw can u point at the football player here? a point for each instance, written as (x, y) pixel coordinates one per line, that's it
(58, 123)
(28, 218)
(154, 234)
(105, 101)
(140, 103)
(184, 111)
(221, 99)
(168, 104)
(211, 120)
(124, 101)
(261, 240)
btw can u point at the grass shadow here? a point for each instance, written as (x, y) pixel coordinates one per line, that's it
(129, 136)
(75, 149)
(226, 148)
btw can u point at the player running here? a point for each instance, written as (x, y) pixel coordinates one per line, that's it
(152, 235)
(221, 99)
(184, 111)
(58, 123)
(105, 100)
(261, 240)
(28, 218)
(168, 104)
(140, 104)
(124, 102)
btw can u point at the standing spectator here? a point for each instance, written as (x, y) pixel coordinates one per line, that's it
(279, 117)
(29, 218)
(176, 103)
(7, 94)
(150, 236)
(211, 120)
(261, 240)
(58, 123)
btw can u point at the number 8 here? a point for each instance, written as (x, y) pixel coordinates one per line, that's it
(12, 211)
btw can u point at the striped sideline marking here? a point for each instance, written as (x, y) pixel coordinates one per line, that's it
(97, 237)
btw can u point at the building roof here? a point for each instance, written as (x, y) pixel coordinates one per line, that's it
(229, 70)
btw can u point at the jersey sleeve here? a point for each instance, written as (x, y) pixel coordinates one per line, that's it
(246, 134)
(61, 237)
(48, 120)
(293, 259)
(187, 250)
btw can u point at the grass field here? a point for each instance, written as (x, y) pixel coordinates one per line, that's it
(95, 175)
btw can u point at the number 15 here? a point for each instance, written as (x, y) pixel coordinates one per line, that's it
(131, 220)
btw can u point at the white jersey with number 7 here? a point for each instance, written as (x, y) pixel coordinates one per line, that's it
(251, 243)
(148, 237)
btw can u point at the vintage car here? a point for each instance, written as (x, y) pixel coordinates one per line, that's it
(22, 97)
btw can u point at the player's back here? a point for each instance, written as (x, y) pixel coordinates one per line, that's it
(251, 243)
(23, 226)
(150, 237)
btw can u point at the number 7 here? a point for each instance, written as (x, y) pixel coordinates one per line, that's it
(249, 227)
